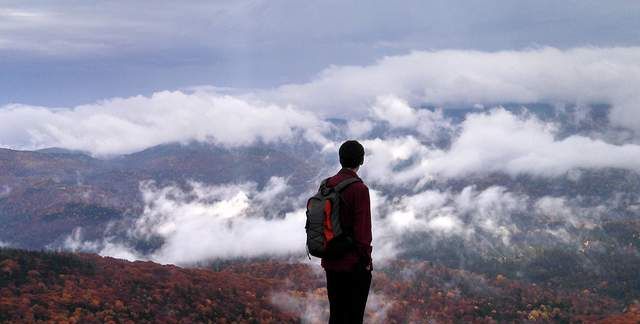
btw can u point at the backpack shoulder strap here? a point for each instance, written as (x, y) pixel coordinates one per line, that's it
(338, 189)
(323, 184)
(345, 183)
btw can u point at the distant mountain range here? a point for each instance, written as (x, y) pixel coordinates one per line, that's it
(38, 286)
(45, 194)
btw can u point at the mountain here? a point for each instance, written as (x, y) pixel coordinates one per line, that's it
(45, 194)
(86, 288)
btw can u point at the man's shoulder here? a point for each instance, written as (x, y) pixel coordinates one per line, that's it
(359, 185)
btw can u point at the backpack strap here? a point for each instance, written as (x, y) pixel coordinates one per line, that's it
(349, 230)
(323, 186)
(345, 183)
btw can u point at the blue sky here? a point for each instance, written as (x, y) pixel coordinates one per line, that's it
(65, 53)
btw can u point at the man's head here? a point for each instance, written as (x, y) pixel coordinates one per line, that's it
(351, 154)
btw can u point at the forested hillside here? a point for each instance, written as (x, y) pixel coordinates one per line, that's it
(86, 288)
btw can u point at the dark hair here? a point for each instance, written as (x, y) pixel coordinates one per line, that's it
(351, 154)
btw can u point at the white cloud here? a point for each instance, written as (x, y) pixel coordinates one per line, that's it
(74, 242)
(385, 241)
(571, 211)
(399, 114)
(491, 210)
(579, 75)
(106, 246)
(383, 156)
(483, 219)
(359, 128)
(209, 222)
(395, 111)
(497, 141)
(310, 307)
(118, 126)
(500, 141)
(313, 306)
(217, 224)
(444, 224)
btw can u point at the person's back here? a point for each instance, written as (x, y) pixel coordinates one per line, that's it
(349, 277)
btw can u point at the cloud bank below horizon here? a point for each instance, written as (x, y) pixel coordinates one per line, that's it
(202, 223)
(126, 125)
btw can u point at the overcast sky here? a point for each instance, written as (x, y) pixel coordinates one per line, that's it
(65, 53)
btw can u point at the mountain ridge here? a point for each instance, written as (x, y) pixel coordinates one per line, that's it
(86, 288)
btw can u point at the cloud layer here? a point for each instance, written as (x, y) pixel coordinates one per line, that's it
(125, 125)
(209, 222)
(204, 223)
(495, 141)
(578, 76)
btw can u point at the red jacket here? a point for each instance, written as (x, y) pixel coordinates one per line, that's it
(356, 213)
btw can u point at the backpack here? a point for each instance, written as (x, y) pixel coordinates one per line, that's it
(326, 237)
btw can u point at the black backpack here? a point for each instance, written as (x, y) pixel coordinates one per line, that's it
(326, 237)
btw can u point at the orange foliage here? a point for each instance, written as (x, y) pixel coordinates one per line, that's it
(83, 288)
(91, 289)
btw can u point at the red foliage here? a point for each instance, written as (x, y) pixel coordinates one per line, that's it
(630, 316)
(418, 292)
(83, 288)
(92, 289)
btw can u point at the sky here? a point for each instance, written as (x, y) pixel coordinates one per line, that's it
(68, 53)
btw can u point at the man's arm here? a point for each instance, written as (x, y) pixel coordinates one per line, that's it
(362, 226)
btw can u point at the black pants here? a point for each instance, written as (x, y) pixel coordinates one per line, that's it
(348, 292)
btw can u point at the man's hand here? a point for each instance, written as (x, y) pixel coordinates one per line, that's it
(368, 264)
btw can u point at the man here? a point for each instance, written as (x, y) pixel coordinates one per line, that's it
(349, 277)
